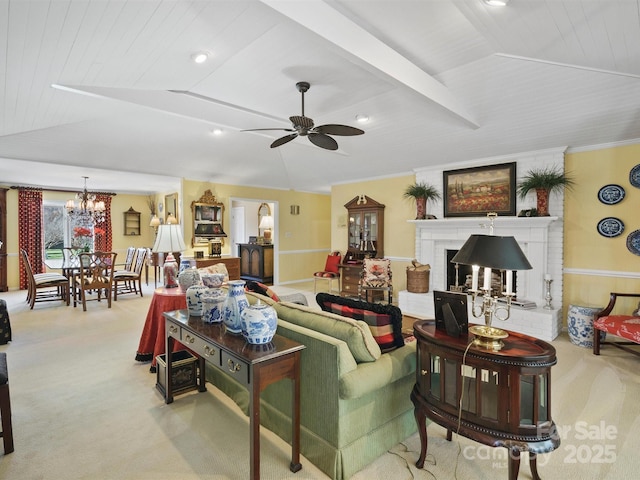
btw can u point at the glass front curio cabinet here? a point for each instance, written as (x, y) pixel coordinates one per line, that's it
(366, 228)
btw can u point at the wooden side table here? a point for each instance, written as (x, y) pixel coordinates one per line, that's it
(507, 393)
(254, 366)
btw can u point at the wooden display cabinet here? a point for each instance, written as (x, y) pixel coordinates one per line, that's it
(366, 229)
(498, 398)
(131, 222)
(256, 262)
(365, 239)
(208, 215)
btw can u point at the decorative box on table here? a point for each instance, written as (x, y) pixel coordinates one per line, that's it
(184, 372)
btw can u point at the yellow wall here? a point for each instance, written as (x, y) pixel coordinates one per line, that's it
(604, 264)
(303, 240)
(399, 235)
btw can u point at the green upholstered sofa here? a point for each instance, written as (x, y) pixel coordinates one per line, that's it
(355, 401)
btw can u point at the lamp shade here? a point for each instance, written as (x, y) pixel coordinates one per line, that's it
(169, 239)
(491, 251)
(155, 221)
(266, 222)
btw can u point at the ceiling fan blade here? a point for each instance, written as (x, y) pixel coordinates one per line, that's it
(259, 129)
(323, 141)
(333, 129)
(283, 140)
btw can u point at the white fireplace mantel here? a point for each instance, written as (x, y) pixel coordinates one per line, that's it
(540, 238)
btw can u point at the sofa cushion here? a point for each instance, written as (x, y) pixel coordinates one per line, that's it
(385, 321)
(355, 333)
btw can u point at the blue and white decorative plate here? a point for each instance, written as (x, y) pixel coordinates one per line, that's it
(610, 227)
(633, 242)
(634, 176)
(611, 194)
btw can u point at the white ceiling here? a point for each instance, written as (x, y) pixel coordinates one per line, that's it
(98, 88)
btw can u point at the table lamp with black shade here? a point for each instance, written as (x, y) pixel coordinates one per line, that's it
(169, 240)
(491, 252)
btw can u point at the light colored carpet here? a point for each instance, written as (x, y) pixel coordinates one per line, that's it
(83, 408)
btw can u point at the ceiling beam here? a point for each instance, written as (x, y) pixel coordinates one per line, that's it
(325, 21)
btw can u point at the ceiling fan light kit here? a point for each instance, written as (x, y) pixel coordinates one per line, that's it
(303, 126)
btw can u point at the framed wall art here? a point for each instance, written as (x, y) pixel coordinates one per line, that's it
(472, 192)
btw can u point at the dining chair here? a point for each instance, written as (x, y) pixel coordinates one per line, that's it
(43, 287)
(130, 281)
(95, 276)
(128, 260)
(375, 277)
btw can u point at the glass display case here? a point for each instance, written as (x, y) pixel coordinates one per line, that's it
(366, 229)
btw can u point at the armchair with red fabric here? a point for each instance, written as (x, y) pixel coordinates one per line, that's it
(330, 273)
(620, 325)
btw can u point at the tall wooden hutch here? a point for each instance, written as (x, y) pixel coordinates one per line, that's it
(365, 240)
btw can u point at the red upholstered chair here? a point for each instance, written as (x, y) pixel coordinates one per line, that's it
(330, 273)
(624, 326)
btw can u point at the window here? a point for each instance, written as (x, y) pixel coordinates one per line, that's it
(61, 231)
(54, 224)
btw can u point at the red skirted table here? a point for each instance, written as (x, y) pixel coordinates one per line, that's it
(152, 341)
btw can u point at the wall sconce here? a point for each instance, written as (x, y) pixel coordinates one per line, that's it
(295, 209)
(155, 223)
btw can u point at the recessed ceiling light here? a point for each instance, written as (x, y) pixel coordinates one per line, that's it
(362, 118)
(496, 3)
(200, 57)
(217, 131)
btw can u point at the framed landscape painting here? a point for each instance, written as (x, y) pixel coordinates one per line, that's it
(473, 192)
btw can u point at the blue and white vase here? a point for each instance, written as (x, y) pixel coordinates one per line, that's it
(213, 302)
(194, 299)
(188, 277)
(235, 303)
(259, 323)
(580, 325)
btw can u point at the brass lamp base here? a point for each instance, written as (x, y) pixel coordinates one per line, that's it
(488, 337)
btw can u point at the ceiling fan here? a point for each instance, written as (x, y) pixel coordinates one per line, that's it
(304, 127)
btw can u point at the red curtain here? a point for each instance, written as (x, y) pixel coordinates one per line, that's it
(30, 231)
(104, 237)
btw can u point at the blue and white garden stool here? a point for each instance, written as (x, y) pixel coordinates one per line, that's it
(580, 324)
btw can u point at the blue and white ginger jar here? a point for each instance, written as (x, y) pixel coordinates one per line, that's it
(235, 303)
(194, 299)
(259, 323)
(213, 301)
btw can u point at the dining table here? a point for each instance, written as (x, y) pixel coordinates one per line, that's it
(68, 267)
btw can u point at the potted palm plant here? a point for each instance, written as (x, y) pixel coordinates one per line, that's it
(422, 192)
(544, 181)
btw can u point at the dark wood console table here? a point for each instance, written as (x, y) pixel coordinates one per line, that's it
(254, 366)
(507, 393)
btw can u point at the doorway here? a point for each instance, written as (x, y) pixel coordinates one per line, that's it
(245, 221)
